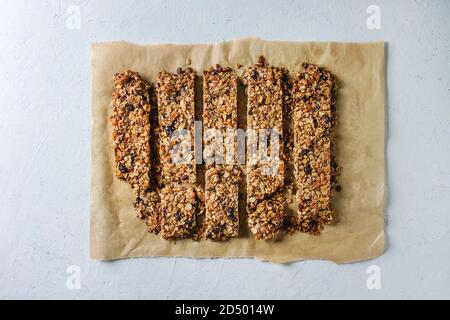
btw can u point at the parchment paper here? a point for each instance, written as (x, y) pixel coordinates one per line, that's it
(358, 230)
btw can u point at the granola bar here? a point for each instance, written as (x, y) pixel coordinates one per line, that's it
(219, 115)
(265, 177)
(178, 208)
(221, 180)
(266, 218)
(131, 129)
(147, 206)
(221, 194)
(312, 97)
(175, 94)
(220, 98)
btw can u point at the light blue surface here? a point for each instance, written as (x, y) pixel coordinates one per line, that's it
(45, 120)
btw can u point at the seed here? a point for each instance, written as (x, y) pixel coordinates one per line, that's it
(308, 169)
(304, 152)
(230, 212)
(169, 129)
(334, 165)
(338, 188)
(327, 118)
(188, 61)
(130, 107)
(261, 60)
(122, 168)
(132, 156)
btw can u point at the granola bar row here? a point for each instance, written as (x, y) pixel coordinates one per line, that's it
(173, 203)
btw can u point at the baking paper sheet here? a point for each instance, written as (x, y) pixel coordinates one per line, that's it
(358, 230)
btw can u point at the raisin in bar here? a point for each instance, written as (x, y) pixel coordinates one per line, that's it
(131, 129)
(221, 179)
(178, 207)
(312, 95)
(175, 94)
(265, 179)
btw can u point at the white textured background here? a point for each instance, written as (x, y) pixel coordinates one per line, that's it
(45, 124)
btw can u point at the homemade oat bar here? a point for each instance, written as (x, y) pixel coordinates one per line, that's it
(131, 114)
(147, 206)
(131, 129)
(266, 218)
(265, 178)
(178, 209)
(264, 184)
(312, 95)
(219, 114)
(175, 94)
(221, 196)
(221, 179)
(220, 98)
